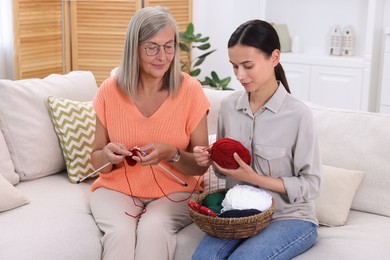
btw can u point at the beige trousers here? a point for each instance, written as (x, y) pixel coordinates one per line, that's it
(148, 237)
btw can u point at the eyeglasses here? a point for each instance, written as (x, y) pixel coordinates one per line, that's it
(153, 49)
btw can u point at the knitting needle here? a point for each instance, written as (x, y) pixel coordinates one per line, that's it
(143, 153)
(92, 173)
(105, 165)
(173, 175)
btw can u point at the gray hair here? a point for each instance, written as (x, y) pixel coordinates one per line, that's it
(145, 24)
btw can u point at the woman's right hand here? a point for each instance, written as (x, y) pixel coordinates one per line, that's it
(202, 155)
(116, 152)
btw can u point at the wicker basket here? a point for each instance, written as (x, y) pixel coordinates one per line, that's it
(230, 228)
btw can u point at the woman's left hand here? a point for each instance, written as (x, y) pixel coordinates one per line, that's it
(154, 153)
(243, 173)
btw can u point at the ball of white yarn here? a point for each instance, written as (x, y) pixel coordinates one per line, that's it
(246, 197)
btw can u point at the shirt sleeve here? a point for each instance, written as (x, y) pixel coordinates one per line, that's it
(305, 184)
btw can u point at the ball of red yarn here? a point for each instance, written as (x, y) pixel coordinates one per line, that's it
(222, 153)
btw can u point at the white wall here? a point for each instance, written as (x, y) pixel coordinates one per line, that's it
(311, 20)
(314, 20)
(218, 19)
(386, 24)
(6, 40)
(386, 21)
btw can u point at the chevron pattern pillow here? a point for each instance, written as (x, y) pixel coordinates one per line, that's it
(74, 123)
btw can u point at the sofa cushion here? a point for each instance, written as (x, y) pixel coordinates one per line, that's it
(56, 224)
(7, 168)
(365, 236)
(74, 123)
(358, 140)
(26, 124)
(10, 197)
(338, 189)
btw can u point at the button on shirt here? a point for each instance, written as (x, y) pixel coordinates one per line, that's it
(283, 144)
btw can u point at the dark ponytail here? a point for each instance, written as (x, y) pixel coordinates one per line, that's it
(281, 76)
(261, 35)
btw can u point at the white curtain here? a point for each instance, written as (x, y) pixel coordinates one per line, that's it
(6, 42)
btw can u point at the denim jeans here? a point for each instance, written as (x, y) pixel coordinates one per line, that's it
(282, 239)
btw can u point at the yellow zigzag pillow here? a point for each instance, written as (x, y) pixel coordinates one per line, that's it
(74, 123)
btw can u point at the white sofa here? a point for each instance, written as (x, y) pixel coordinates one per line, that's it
(45, 216)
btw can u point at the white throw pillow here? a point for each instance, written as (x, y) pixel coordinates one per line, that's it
(10, 197)
(26, 124)
(338, 190)
(7, 168)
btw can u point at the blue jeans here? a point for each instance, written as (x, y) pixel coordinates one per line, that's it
(282, 239)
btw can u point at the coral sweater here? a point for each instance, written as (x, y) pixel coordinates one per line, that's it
(172, 123)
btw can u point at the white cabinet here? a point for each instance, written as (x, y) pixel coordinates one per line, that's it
(327, 82)
(385, 85)
(336, 87)
(298, 78)
(326, 85)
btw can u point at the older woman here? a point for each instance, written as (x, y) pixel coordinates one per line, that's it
(150, 104)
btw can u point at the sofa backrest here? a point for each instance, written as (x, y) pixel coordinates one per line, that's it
(358, 141)
(215, 97)
(26, 123)
(348, 139)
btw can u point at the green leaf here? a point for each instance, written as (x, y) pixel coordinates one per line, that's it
(206, 81)
(214, 76)
(224, 82)
(195, 72)
(206, 54)
(204, 39)
(197, 37)
(190, 29)
(199, 61)
(203, 46)
(183, 37)
(213, 84)
(184, 47)
(226, 88)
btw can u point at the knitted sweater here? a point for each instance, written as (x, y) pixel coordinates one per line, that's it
(172, 123)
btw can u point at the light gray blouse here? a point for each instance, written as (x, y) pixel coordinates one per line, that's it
(282, 141)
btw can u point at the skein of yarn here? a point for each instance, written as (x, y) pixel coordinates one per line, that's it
(214, 201)
(222, 153)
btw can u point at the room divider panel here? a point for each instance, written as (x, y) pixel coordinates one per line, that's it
(53, 36)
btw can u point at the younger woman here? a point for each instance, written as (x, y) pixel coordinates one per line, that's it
(278, 131)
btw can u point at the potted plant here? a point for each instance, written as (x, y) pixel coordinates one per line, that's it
(190, 40)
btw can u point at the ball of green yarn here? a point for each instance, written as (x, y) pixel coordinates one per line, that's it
(213, 201)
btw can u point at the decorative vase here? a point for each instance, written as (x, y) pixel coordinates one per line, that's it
(284, 37)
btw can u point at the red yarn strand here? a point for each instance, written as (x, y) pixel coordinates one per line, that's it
(155, 179)
(176, 201)
(131, 192)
